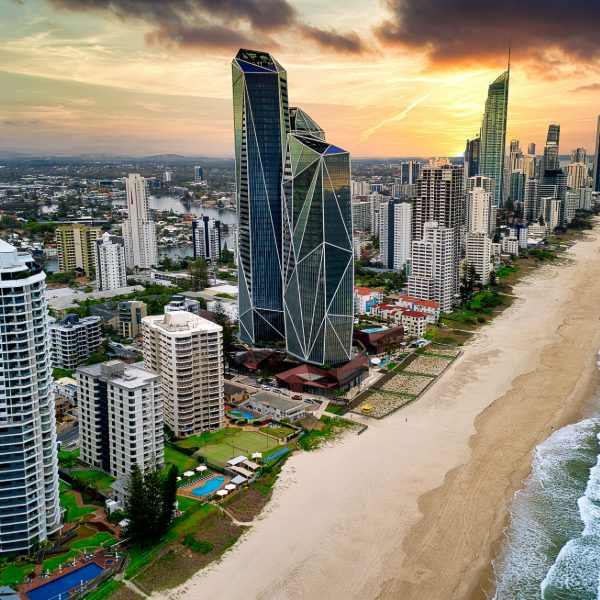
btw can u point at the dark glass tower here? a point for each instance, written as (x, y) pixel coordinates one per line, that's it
(472, 154)
(261, 121)
(318, 260)
(493, 135)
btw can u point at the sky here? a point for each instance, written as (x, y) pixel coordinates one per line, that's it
(384, 78)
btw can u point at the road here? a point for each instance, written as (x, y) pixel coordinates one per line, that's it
(68, 436)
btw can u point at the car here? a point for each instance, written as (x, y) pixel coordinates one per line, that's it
(264, 387)
(308, 401)
(296, 397)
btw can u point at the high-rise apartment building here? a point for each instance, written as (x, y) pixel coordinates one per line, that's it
(360, 188)
(361, 215)
(531, 202)
(29, 506)
(261, 122)
(516, 190)
(179, 303)
(111, 273)
(75, 247)
(433, 267)
(131, 313)
(515, 160)
(396, 234)
(493, 135)
(187, 352)
(206, 238)
(596, 179)
(139, 231)
(72, 340)
(480, 211)
(579, 155)
(531, 148)
(318, 265)
(198, 174)
(577, 175)
(120, 417)
(478, 253)
(410, 171)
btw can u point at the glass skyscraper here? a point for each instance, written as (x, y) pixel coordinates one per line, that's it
(493, 135)
(261, 122)
(596, 180)
(29, 506)
(318, 273)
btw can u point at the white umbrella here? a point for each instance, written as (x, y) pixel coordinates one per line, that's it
(201, 468)
(230, 487)
(257, 455)
(179, 479)
(188, 473)
(222, 493)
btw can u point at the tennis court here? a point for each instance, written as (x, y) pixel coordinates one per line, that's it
(244, 442)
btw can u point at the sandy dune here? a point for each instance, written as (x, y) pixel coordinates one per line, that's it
(413, 508)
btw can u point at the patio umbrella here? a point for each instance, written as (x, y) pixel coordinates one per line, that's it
(188, 473)
(257, 455)
(179, 479)
(230, 487)
(222, 493)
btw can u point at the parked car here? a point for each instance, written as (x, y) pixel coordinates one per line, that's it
(296, 397)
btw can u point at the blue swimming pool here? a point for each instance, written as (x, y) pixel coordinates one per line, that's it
(242, 413)
(212, 485)
(373, 330)
(60, 586)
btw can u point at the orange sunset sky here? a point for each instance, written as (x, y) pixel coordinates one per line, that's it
(383, 78)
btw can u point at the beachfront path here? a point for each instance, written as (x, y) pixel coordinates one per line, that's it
(412, 510)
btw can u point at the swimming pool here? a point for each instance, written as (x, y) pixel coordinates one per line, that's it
(242, 413)
(374, 330)
(212, 485)
(61, 585)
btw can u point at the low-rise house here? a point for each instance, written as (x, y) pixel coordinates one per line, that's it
(430, 308)
(275, 407)
(365, 299)
(234, 393)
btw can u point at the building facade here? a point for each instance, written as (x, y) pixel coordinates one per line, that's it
(396, 234)
(493, 135)
(479, 255)
(72, 340)
(206, 238)
(187, 352)
(120, 417)
(75, 247)
(261, 124)
(318, 261)
(596, 176)
(131, 313)
(111, 273)
(139, 231)
(29, 499)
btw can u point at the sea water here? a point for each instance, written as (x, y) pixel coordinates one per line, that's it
(552, 546)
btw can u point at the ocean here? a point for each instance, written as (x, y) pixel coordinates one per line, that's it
(552, 546)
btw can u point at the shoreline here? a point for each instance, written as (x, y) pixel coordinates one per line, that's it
(416, 507)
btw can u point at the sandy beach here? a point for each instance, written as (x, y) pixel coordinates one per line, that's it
(414, 508)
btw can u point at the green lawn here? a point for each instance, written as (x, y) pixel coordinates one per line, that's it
(182, 461)
(235, 443)
(280, 432)
(97, 479)
(105, 590)
(52, 563)
(68, 458)
(74, 512)
(14, 575)
(211, 437)
(98, 540)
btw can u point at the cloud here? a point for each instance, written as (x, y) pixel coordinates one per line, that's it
(471, 31)
(591, 87)
(223, 24)
(348, 43)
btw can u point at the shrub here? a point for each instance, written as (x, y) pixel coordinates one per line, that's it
(200, 546)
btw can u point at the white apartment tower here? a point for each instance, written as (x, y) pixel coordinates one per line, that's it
(120, 417)
(479, 254)
(480, 209)
(111, 273)
(433, 266)
(139, 232)
(29, 508)
(187, 352)
(72, 340)
(396, 234)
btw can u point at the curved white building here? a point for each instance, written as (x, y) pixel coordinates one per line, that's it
(29, 508)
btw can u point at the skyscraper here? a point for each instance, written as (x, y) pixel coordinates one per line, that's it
(318, 265)
(480, 213)
(396, 233)
(410, 172)
(206, 238)
(29, 508)
(75, 247)
(531, 148)
(472, 157)
(139, 232)
(493, 135)
(553, 134)
(111, 273)
(261, 122)
(579, 155)
(596, 180)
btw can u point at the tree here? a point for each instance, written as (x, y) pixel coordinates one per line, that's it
(228, 330)
(153, 490)
(468, 282)
(225, 257)
(169, 495)
(135, 506)
(198, 270)
(493, 278)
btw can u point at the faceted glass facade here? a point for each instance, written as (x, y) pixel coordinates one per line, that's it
(261, 121)
(318, 275)
(493, 135)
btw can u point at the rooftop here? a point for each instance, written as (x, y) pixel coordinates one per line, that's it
(181, 321)
(119, 373)
(275, 401)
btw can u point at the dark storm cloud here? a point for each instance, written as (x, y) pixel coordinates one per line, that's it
(592, 87)
(216, 23)
(455, 31)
